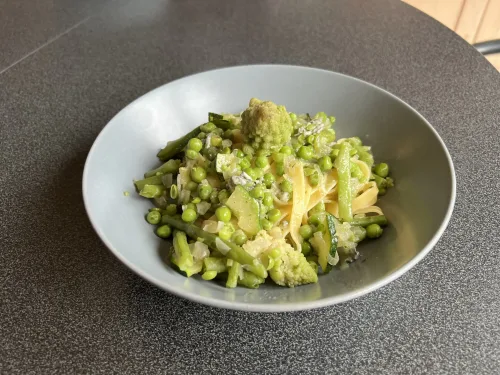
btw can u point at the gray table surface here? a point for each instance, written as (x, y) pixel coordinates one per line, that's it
(68, 306)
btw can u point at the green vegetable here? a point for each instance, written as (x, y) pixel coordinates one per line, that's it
(189, 215)
(382, 170)
(246, 210)
(374, 231)
(261, 162)
(305, 152)
(153, 180)
(204, 191)
(223, 196)
(280, 168)
(182, 256)
(171, 209)
(286, 186)
(153, 217)
(163, 231)
(292, 269)
(223, 214)
(286, 150)
(266, 224)
(314, 179)
(305, 231)
(364, 155)
(239, 237)
(274, 215)
(268, 200)
(306, 248)
(325, 243)
(209, 275)
(233, 275)
(250, 280)
(212, 264)
(368, 220)
(174, 192)
(226, 232)
(195, 144)
(266, 125)
(191, 154)
(235, 252)
(325, 163)
(257, 191)
(171, 166)
(198, 174)
(152, 191)
(174, 147)
(343, 164)
(191, 186)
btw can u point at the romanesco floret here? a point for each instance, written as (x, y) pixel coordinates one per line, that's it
(266, 125)
(292, 268)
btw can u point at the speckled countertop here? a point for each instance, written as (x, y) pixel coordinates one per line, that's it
(68, 306)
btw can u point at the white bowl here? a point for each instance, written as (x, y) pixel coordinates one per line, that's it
(418, 208)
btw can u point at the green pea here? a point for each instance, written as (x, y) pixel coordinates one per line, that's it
(191, 206)
(163, 231)
(189, 215)
(223, 214)
(214, 197)
(310, 139)
(306, 248)
(382, 191)
(278, 157)
(228, 134)
(245, 164)
(314, 179)
(239, 237)
(266, 224)
(261, 162)
(305, 231)
(205, 191)
(315, 219)
(248, 150)
(268, 180)
(153, 217)
(209, 275)
(301, 139)
(195, 144)
(202, 135)
(210, 153)
(215, 141)
(196, 200)
(208, 127)
(171, 209)
(305, 152)
(174, 192)
(280, 169)
(374, 231)
(191, 186)
(218, 131)
(198, 174)
(192, 154)
(252, 172)
(258, 191)
(268, 200)
(223, 196)
(274, 215)
(286, 150)
(226, 151)
(382, 169)
(259, 172)
(325, 163)
(286, 186)
(293, 116)
(226, 232)
(239, 154)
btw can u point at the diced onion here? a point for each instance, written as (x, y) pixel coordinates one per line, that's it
(202, 208)
(200, 251)
(222, 246)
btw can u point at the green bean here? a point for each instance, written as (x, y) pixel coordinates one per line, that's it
(344, 183)
(153, 180)
(218, 265)
(250, 280)
(374, 231)
(209, 275)
(233, 275)
(152, 191)
(153, 217)
(235, 252)
(355, 141)
(356, 172)
(191, 186)
(171, 209)
(364, 155)
(183, 257)
(174, 147)
(171, 166)
(367, 220)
